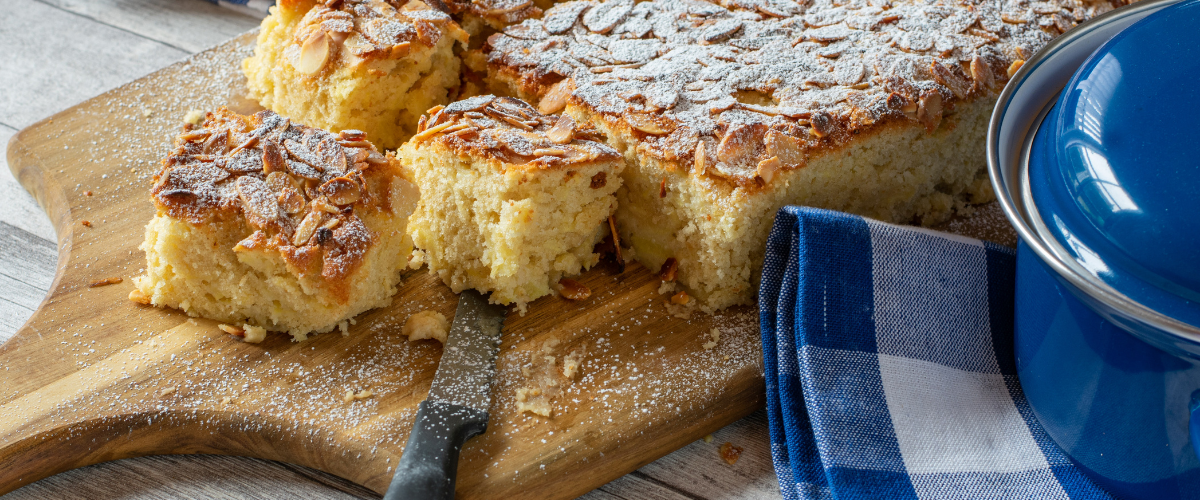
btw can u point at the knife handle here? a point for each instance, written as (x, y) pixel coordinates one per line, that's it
(430, 461)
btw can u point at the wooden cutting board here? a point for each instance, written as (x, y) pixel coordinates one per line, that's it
(94, 377)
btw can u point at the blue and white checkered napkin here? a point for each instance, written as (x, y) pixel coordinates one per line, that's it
(889, 364)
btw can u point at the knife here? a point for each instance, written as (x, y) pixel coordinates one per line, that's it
(456, 409)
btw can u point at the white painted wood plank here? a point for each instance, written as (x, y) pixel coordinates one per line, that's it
(190, 25)
(27, 264)
(53, 59)
(698, 470)
(191, 476)
(19, 208)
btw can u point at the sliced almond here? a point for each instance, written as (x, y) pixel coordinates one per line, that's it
(563, 130)
(822, 124)
(307, 227)
(929, 111)
(668, 269)
(258, 201)
(646, 124)
(573, 290)
(549, 152)
(556, 98)
(1014, 67)
(701, 158)
(279, 181)
(739, 141)
(949, 79)
(981, 72)
(140, 297)
(680, 298)
(341, 191)
(768, 168)
(291, 201)
(332, 223)
(314, 53)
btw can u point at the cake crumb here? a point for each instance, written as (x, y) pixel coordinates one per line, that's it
(715, 335)
(253, 334)
(194, 117)
(730, 453)
(140, 297)
(166, 391)
(226, 400)
(416, 259)
(543, 379)
(426, 325)
(352, 396)
(86, 223)
(344, 327)
(708, 438)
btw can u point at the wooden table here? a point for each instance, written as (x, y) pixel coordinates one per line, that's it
(60, 52)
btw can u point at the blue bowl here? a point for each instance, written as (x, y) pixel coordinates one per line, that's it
(1108, 267)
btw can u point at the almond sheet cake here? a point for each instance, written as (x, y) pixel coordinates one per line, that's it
(271, 224)
(511, 200)
(727, 112)
(723, 112)
(372, 66)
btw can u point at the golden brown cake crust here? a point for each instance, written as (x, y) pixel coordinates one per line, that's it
(513, 132)
(300, 188)
(360, 30)
(741, 90)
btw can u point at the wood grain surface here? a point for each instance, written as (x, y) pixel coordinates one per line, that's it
(67, 51)
(93, 377)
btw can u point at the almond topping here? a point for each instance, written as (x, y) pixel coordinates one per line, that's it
(314, 53)
(563, 130)
(556, 98)
(306, 229)
(768, 168)
(291, 201)
(645, 124)
(341, 191)
(333, 222)
(573, 290)
(701, 158)
(981, 72)
(612, 226)
(139, 296)
(510, 9)
(516, 123)
(549, 152)
(667, 272)
(105, 282)
(430, 132)
(822, 124)
(680, 298)
(1014, 67)
(929, 111)
(944, 76)
(232, 330)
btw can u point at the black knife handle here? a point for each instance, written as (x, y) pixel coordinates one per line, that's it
(430, 460)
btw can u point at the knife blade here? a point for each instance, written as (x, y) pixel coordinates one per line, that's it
(456, 408)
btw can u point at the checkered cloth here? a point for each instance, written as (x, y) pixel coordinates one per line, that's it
(889, 364)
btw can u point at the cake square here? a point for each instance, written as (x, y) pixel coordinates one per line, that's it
(727, 111)
(373, 66)
(512, 200)
(272, 224)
